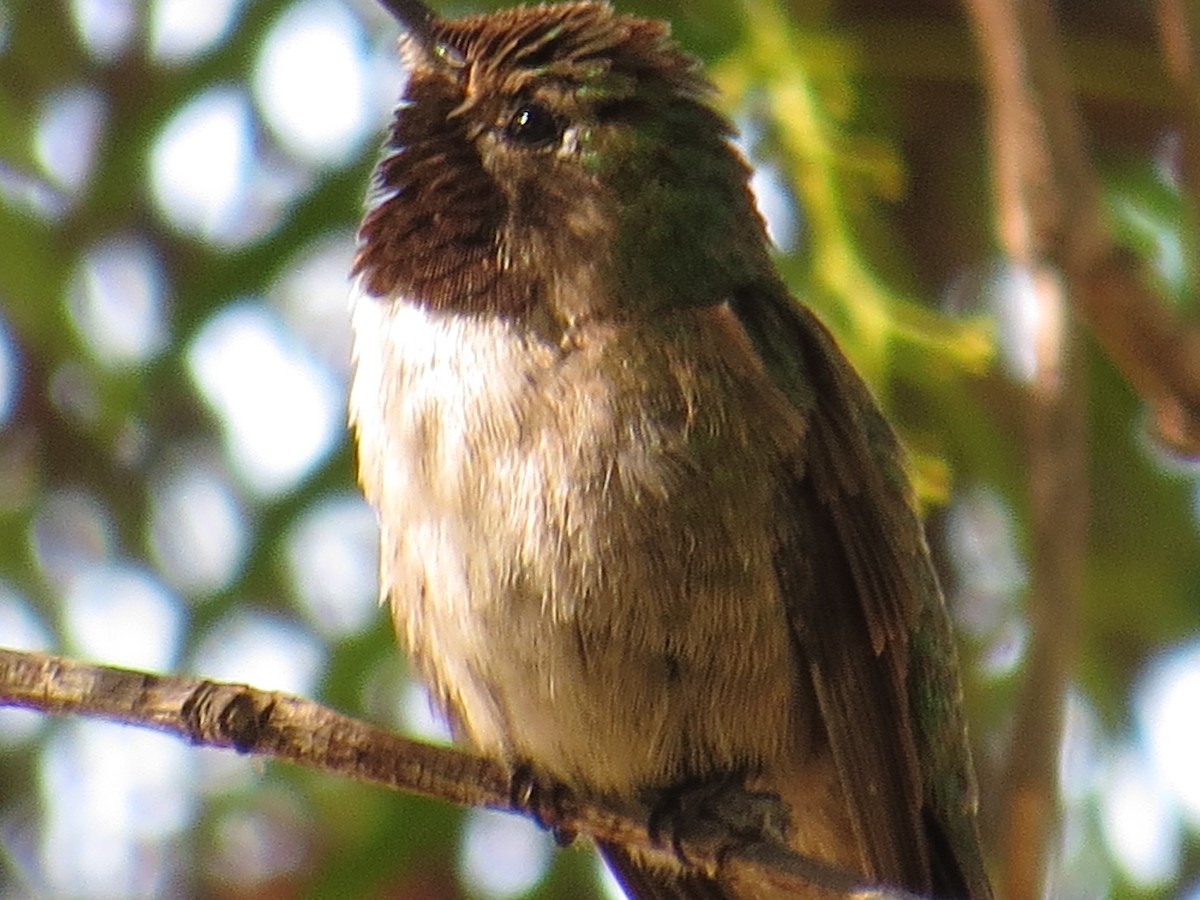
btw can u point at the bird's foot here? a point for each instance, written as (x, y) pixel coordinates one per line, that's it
(550, 803)
(717, 815)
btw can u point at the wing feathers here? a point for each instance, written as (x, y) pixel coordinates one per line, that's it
(853, 566)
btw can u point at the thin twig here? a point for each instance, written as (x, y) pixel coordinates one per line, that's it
(1050, 223)
(1049, 209)
(1181, 55)
(281, 726)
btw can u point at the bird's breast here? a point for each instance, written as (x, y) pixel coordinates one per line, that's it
(578, 537)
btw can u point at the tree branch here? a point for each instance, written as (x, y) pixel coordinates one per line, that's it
(1049, 210)
(1180, 53)
(284, 727)
(1050, 222)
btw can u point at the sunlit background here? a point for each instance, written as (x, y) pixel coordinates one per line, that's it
(176, 490)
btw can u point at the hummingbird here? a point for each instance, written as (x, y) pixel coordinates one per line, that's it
(644, 529)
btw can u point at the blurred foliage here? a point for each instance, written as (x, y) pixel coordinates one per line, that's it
(872, 113)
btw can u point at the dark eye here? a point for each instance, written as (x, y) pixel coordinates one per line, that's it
(533, 126)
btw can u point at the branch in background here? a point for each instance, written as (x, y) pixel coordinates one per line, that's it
(1048, 202)
(1177, 40)
(1181, 56)
(1050, 222)
(1155, 350)
(284, 727)
(1056, 435)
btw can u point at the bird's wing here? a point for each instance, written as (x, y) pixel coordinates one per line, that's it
(867, 614)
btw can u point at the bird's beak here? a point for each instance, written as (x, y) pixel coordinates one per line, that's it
(420, 27)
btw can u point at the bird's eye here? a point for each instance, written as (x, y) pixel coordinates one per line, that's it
(533, 126)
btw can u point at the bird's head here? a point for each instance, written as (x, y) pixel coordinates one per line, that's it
(562, 159)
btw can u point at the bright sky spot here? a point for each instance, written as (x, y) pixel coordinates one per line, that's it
(117, 797)
(30, 193)
(197, 527)
(420, 719)
(200, 163)
(120, 615)
(280, 409)
(253, 647)
(182, 29)
(1021, 303)
(989, 576)
(105, 26)
(503, 855)
(333, 559)
(116, 301)
(20, 627)
(251, 846)
(311, 82)
(776, 206)
(313, 295)
(982, 541)
(1080, 863)
(771, 193)
(381, 690)
(1078, 756)
(1005, 648)
(1140, 822)
(69, 532)
(1168, 709)
(10, 372)
(386, 78)
(68, 128)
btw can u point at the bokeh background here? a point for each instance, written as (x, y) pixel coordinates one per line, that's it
(179, 186)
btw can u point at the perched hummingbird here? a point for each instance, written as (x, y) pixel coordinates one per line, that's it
(643, 527)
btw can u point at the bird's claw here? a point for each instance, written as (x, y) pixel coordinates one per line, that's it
(715, 816)
(550, 803)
